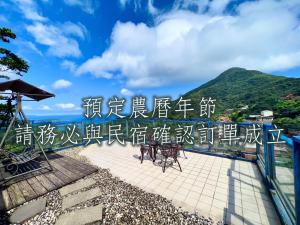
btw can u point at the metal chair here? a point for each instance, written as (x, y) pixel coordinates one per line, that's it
(181, 148)
(170, 151)
(145, 148)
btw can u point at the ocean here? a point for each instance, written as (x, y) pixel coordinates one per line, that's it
(68, 119)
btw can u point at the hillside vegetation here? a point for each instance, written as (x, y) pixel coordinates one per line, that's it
(238, 87)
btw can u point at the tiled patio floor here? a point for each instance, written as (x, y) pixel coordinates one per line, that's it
(224, 189)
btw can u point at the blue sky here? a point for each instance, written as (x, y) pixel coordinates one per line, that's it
(79, 48)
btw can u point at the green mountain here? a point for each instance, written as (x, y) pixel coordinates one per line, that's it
(238, 87)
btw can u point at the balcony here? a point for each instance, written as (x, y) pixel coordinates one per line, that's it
(223, 189)
(259, 185)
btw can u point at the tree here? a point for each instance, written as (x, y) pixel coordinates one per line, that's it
(8, 60)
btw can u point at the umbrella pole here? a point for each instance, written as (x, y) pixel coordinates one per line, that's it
(22, 114)
(12, 121)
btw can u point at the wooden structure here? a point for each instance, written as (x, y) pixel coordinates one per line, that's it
(65, 171)
(27, 161)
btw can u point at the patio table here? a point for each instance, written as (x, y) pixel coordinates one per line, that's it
(145, 148)
(154, 148)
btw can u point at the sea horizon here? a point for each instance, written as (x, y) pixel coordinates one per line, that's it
(67, 118)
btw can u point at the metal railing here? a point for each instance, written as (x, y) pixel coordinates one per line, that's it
(279, 164)
(280, 167)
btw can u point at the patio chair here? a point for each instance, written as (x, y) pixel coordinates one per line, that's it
(25, 160)
(145, 148)
(170, 151)
(181, 148)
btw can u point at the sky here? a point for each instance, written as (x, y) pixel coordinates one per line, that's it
(82, 48)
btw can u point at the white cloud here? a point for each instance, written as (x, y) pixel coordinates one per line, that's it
(185, 46)
(93, 65)
(139, 4)
(45, 108)
(32, 46)
(151, 7)
(27, 107)
(27, 45)
(197, 5)
(218, 6)
(76, 30)
(87, 6)
(66, 106)
(59, 84)
(69, 65)
(52, 35)
(136, 3)
(58, 38)
(29, 10)
(11, 75)
(126, 92)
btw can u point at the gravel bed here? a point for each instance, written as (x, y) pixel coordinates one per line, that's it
(124, 204)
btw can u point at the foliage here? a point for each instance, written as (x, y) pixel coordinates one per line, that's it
(6, 34)
(287, 114)
(288, 123)
(238, 116)
(8, 60)
(288, 108)
(237, 87)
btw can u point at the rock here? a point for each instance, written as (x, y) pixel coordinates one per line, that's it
(122, 204)
(81, 216)
(84, 183)
(28, 211)
(80, 197)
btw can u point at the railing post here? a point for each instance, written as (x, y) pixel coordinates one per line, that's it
(82, 131)
(209, 136)
(268, 153)
(127, 129)
(266, 128)
(257, 150)
(271, 151)
(296, 155)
